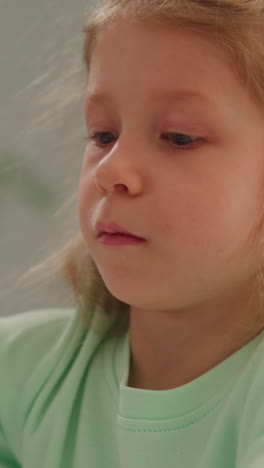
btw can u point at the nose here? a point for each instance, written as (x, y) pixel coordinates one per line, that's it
(118, 171)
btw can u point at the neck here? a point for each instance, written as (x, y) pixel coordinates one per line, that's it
(172, 348)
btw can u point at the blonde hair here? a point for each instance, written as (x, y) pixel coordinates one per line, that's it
(238, 25)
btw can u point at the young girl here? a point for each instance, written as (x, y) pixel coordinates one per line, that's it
(161, 363)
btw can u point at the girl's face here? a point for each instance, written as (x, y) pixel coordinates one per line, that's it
(180, 163)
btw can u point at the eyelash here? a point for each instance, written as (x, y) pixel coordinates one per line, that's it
(97, 135)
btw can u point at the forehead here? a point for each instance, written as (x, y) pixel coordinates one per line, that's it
(94, 97)
(147, 61)
(158, 49)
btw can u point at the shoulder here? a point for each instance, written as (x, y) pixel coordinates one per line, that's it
(27, 338)
(251, 407)
(32, 329)
(31, 344)
(24, 322)
(34, 343)
(37, 344)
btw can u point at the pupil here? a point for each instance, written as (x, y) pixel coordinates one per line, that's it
(180, 139)
(105, 138)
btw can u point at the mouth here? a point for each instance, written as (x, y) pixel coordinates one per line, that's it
(113, 229)
(119, 239)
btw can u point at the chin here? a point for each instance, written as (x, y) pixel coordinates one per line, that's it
(129, 293)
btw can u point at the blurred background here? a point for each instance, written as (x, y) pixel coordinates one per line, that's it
(42, 82)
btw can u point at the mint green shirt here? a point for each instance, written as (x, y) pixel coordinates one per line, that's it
(64, 402)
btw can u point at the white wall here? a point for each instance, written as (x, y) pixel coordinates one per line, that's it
(40, 47)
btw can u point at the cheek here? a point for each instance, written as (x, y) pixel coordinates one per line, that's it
(194, 216)
(178, 210)
(81, 200)
(81, 192)
(85, 200)
(211, 221)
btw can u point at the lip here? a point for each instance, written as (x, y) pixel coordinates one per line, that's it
(112, 228)
(119, 239)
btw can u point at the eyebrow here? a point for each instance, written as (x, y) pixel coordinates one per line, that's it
(179, 95)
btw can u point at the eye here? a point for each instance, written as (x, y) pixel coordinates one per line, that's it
(101, 138)
(181, 140)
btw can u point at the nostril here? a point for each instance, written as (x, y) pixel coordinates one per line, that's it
(121, 187)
